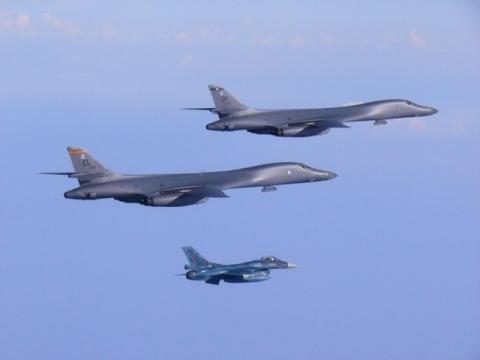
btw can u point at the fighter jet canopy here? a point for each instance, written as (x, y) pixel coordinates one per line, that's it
(268, 259)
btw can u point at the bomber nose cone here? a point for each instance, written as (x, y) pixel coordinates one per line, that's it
(323, 175)
(327, 175)
(331, 175)
(427, 110)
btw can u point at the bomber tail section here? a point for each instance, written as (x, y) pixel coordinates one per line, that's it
(225, 103)
(84, 163)
(85, 166)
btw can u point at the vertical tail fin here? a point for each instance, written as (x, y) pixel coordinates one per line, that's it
(225, 103)
(194, 258)
(85, 165)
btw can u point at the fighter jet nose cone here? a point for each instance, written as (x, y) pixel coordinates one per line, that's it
(292, 266)
(433, 110)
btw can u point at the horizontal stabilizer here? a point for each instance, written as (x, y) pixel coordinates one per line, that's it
(81, 176)
(212, 109)
(58, 173)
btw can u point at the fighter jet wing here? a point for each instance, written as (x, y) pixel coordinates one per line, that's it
(244, 270)
(217, 272)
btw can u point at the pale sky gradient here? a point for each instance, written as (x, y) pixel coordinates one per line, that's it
(389, 250)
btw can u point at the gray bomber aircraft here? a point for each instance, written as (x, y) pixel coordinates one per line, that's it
(97, 182)
(250, 271)
(233, 115)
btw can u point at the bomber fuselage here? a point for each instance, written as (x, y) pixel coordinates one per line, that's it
(254, 119)
(267, 175)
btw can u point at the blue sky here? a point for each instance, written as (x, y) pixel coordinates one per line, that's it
(389, 250)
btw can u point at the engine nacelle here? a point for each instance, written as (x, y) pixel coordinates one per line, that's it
(172, 200)
(299, 131)
(161, 200)
(291, 131)
(80, 195)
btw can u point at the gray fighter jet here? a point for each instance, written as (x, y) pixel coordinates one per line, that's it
(250, 271)
(97, 182)
(233, 115)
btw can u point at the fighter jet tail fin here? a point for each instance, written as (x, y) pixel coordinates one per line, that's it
(85, 165)
(225, 103)
(194, 258)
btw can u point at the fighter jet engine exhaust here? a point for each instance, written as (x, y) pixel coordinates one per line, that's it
(191, 275)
